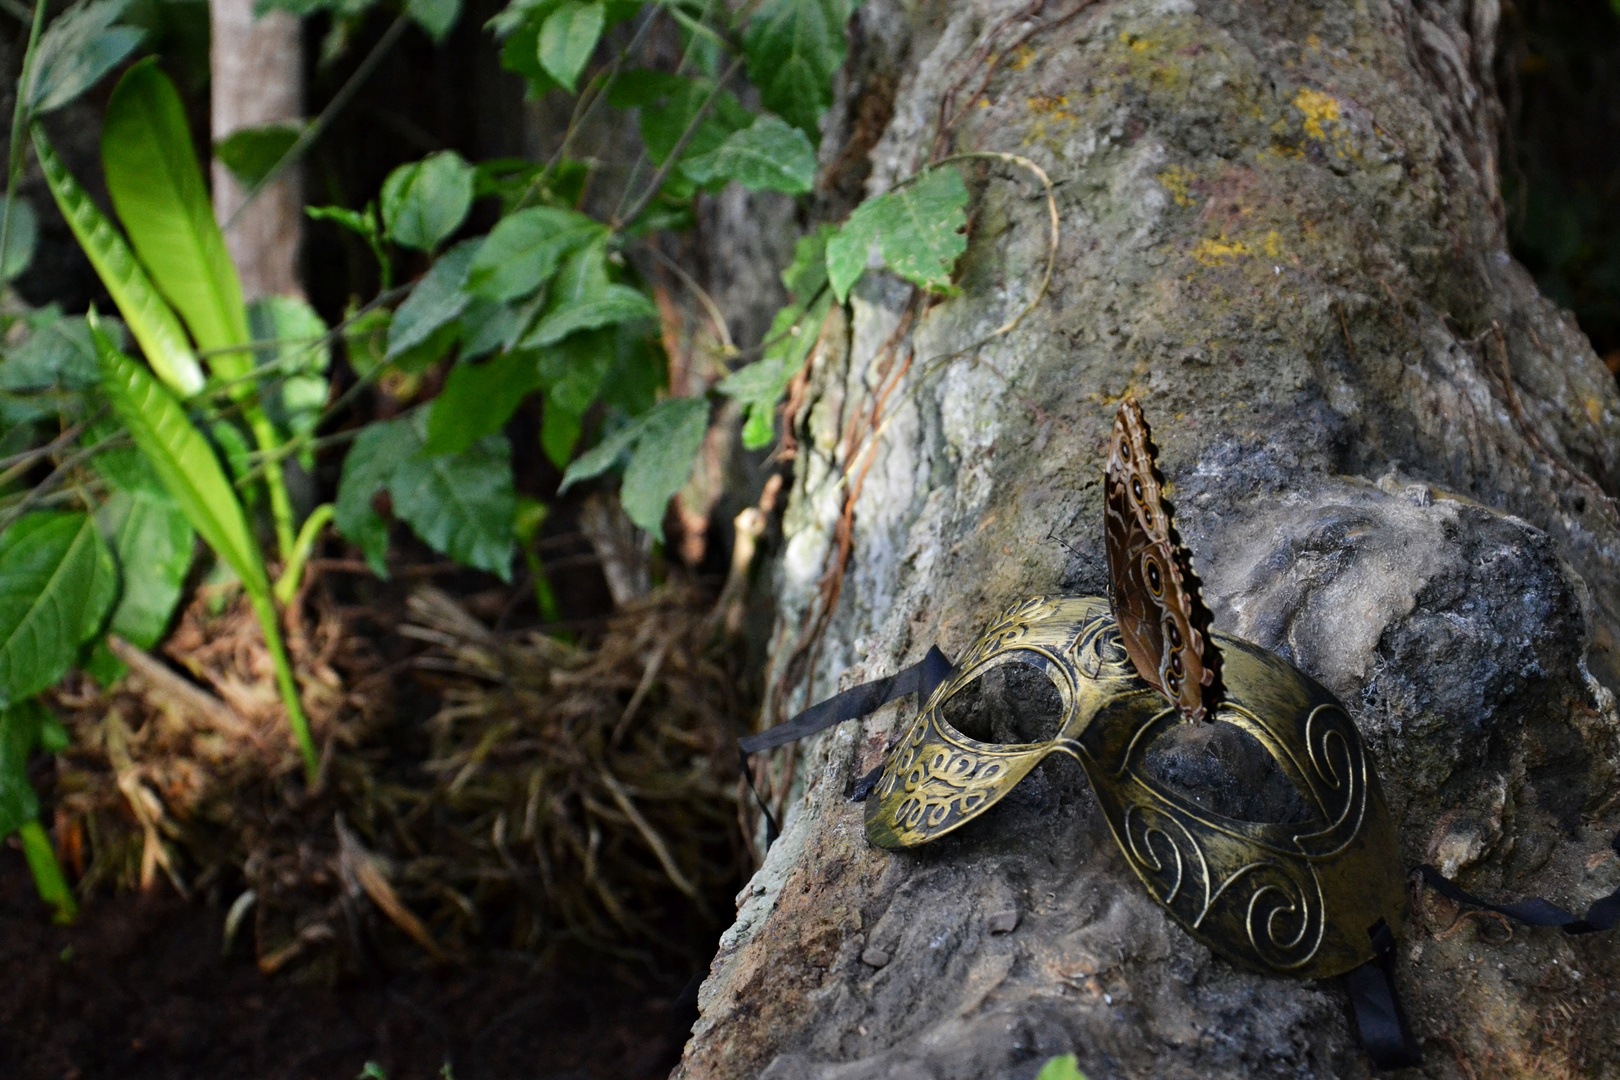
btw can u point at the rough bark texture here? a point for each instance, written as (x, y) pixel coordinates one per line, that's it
(257, 66)
(1393, 458)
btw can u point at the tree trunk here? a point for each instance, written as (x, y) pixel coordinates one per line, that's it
(258, 80)
(1393, 458)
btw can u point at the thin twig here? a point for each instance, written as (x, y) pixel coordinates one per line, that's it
(18, 110)
(727, 348)
(674, 158)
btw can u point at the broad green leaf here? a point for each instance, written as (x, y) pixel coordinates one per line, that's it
(614, 304)
(367, 468)
(523, 250)
(20, 728)
(158, 191)
(488, 325)
(77, 49)
(919, 229)
(299, 357)
(436, 17)
(184, 462)
(794, 48)
(672, 434)
(520, 54)
(605, 454)
(568, 38)
(1061, 1068)
(478, 399)
(42, 376)
(516, 15)
(251, 153)
(57, 581)
(768, 156)
(436, 301)
(460, 504)
(669, 103)
(760, 385)
(425, 201)
(573, 373)
(22, 237)
(149, 317)
(153, 543)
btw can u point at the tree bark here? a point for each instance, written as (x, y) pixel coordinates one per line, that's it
(257, 70)
(1395, 461)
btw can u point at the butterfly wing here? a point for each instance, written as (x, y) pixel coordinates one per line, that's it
(1162, 619)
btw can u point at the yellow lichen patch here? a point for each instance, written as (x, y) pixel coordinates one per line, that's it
(1221, 251)
(1178, 182)
(1022, 57)
(1318, 109)
(1594, 409)
(1051, 112)
(1272, 245)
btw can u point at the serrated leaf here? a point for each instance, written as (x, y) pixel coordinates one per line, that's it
(425, 201)
(669, 104)
(367, 468)
(157, 188)
(919, 230)
(183, 461)
(83, 44)
(612, 305)
(251, 153)
(57, 581)
(794, 48)
(436, 17)
(662, 445)
(22, 237)
(672, 434)
(149, 317)
(522, 252)
(568, 38)
(153, 544)
(478, 399)
(460, 504)
(769, 155)
(436, 301)
(760, 385)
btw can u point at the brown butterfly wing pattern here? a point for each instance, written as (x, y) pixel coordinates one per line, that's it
(1161, 615)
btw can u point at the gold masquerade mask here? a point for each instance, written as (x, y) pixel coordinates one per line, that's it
(1298, 898)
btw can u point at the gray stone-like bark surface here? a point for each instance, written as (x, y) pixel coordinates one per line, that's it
(1394, 460)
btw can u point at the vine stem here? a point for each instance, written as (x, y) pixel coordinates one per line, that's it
(678, 149)
(264, 607)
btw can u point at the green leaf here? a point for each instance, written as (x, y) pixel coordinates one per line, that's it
(183, 461)
(76, 50)
(460, 504)
(158, 191)
(436, 17)
(1061, 1068)
(523, 250)
(251, 153)
(367, 468)
(520, 54)
(487, 325)
(672, 435)
(768, 156)
(478, 399)
(425, 201)
(919, 229)
(806, 275)
(363, 222)
(20, 727)
(436, 302)
(57, 581)
(22, 237)
(153, 543)
(760, 385)
(55, 362)
(614, 304)
(573, 372)
(567, 40)
(299, 357)
(150, 319)
(669, 103)
(794, 48)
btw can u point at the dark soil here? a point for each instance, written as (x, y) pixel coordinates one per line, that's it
(138, 989)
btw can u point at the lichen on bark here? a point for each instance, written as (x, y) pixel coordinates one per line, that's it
(1394, 460)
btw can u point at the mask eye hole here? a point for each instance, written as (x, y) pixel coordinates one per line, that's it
(1225, 770)
(1013, 702)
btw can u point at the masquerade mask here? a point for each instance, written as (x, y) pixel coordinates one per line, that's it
(1298, 898)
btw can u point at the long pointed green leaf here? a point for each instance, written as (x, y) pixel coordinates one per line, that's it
(158, 191)
(150, 319)
(183, 460)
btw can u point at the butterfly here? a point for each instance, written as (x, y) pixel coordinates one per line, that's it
(1162, 619)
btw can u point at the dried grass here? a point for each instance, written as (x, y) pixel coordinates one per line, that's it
(491, 790)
